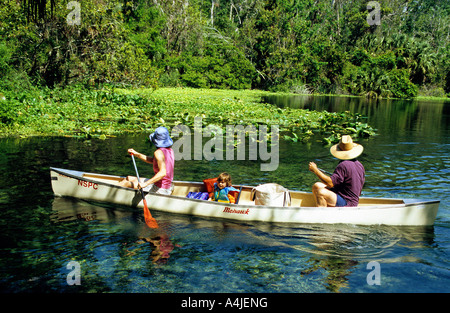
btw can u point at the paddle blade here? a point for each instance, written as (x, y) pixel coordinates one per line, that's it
(149, 220)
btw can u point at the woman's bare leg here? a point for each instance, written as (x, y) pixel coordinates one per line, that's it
(129, 182)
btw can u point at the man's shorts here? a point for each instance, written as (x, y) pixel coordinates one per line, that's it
(340, 201)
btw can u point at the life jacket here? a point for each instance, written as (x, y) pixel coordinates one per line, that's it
(222, 195)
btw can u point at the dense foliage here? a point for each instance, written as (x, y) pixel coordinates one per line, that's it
(302, 46)
(81, 112)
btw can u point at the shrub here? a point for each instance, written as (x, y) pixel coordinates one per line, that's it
(221, 66)
(8, 111)
(5, 56)
(400, 85)
(447, 82)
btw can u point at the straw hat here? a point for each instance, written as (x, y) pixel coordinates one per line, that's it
(346, 149)
(161, 138)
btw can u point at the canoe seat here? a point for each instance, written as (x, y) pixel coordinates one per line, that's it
(181, 189)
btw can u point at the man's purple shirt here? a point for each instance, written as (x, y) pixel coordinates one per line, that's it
(348, 180)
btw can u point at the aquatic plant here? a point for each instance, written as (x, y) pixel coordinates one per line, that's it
(107, 112)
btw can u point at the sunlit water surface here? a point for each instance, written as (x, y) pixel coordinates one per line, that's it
(116, 252)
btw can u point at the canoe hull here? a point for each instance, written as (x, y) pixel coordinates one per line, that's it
(88, 186)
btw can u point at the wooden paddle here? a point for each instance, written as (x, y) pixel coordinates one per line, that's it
(149, 220)
(325, 172)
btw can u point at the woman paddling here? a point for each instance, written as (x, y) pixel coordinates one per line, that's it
(163, 165)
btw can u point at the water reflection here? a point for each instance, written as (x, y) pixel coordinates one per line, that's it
(335, 252)
(119, 253)
(68, 209)
(338, 270)
(259, 255)
(428, 118)
(363, 243)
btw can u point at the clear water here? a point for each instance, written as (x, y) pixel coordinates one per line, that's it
(40, 234)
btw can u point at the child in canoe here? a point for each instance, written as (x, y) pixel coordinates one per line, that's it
(222, 189)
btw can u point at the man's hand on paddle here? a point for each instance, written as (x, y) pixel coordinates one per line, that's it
(323, 177)
(313, 167)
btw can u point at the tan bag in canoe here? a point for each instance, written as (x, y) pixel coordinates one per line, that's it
(271, 195)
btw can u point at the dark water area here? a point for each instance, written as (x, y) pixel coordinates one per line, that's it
(116, 252)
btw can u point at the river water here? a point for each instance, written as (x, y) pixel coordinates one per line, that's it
(113, 250)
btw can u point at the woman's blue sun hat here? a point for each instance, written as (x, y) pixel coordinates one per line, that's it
(161, 138)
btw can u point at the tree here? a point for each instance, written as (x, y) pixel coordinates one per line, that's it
(220, 66)
(319, 45)
(38, 9)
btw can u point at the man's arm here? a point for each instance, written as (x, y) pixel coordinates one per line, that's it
(324, 178)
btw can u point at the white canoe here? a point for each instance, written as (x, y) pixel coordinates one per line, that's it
(371, 211)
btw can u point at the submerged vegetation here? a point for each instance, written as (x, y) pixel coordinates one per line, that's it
(108, 112)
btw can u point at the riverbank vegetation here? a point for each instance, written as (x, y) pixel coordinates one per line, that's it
(80, 112)
(98, 68)
(400, 49)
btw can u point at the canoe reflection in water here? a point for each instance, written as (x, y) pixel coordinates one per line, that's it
(66, 210)
(70, 209)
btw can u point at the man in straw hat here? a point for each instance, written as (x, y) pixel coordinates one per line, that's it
(344, 186)
(163, 162)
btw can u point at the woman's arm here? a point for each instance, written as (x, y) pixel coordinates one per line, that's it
(141, 156)
(159, 156)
